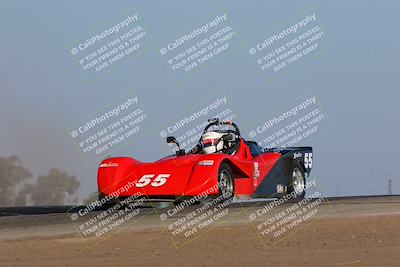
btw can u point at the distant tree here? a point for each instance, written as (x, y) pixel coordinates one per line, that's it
(12, 174)
(24, 197)
(55, 188)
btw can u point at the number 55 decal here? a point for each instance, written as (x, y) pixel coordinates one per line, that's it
(158, 181)
(308, 160)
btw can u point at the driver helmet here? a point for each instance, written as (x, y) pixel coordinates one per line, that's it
(212, 142)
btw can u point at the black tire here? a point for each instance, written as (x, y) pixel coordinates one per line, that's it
(297, 181)
(226, 184)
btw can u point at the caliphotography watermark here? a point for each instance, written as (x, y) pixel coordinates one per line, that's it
(199, 45)
(188, 127)
(289, 45)
(280, 219)
(100, 50)
(106, 214)
(101, 133)
(293, 125)
(194, 216)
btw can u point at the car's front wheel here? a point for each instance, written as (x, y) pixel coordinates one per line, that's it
(226, 183)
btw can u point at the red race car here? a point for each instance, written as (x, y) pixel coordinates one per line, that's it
(221, 164)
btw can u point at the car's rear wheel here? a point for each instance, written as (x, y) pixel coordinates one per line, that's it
(297, 182)
(226, 183)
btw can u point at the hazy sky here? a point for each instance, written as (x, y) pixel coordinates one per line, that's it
(43, 91)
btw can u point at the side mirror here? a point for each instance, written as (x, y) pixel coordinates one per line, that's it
(171, 139)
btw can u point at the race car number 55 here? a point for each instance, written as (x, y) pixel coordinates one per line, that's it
(156, 182)
(308, 160)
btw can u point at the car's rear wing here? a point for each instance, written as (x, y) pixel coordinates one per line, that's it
(302, 154)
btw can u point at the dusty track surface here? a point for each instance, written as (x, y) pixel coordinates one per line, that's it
(359, 232)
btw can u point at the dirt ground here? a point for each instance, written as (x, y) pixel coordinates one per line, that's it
(359, 241)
